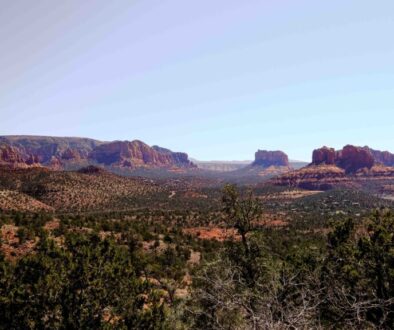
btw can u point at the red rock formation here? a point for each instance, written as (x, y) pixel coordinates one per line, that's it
(313, 177)
(11, 155)
(45, 147)
(382, 157)
(55, 164)
(137, 153)
(324, 155)
(271, 158)
(352, 158)
(59, 153)
(350, 167)
(71, 154)
(32, 160)
(14, 157)
(324, 177)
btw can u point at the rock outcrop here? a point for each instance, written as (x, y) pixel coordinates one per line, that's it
(271, 158)
(180, 158)
(313, 177)
(73, 153)
(352, 166)
(14, 157)
(324, 155)
(325, 177)
(136, 154)
(43, 148)
(383, 157)
(350, 158)
(55, 164)
(9, 154)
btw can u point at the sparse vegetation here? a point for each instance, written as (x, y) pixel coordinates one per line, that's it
(134, 253)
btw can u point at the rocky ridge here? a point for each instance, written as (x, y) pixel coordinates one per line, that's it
(62, 153)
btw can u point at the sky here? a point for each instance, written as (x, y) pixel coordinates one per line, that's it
(217, 79)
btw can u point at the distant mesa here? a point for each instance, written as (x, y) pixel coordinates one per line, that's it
(137, 154)
(45, 147)
(267, 164)
(270, 158)
(59, 153)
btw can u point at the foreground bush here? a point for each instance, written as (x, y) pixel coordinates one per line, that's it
(350, 284)
(87, 284)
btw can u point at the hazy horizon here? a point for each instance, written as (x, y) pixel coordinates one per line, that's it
(217, 80)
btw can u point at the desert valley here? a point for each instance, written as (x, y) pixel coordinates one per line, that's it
(202, 165)
(173, 216)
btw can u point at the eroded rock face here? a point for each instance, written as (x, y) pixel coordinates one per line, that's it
(55, 164)
(43, 148)
(383, 157)
(271, 158)
(10, 154)
(32, 160)
(71, 154)
(314, 177)
(137, 153)
(325, 177)
(352, 158)
(15, 157)
(324, 155)
(60, 153)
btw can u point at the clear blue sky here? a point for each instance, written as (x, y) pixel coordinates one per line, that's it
(215, 78)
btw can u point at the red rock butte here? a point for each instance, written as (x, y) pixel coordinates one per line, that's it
(352, 158)
(271, 158)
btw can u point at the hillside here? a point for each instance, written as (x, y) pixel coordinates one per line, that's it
(93, 189)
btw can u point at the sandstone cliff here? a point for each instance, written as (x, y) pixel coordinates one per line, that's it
(270, 158)
(383, 157)
(65, 153)
(350, 158)
(14, 157)
(46, 147)
(137, 153)
(324, 155)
